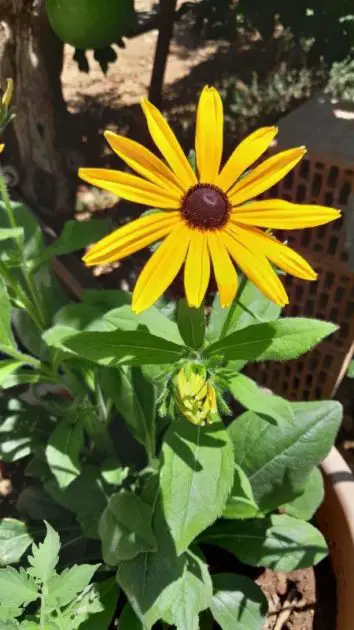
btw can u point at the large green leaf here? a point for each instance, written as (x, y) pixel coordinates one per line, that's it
(163, 586)
(128, 619)
(14, 540)
(241, 503)
(252, 397)
(251, 307)
(238, 603)
(125, 528)
(75, 235)
(306, 505)
(63, 588)
(196, 478)
(63, 451)
(124, 348)
(279, 542)
(26, 331)
(277, 459)
(23, 428)
(16, 588)
(191, 324)
(282, 340)
(134, 399)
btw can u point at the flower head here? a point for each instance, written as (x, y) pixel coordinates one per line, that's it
(207, 218)
(195, 395)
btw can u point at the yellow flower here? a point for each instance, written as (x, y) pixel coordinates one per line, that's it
(195, 395)
(206, 218)
(2, 146)
(7, 96)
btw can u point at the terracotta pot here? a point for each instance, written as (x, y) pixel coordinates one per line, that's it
(336, 521)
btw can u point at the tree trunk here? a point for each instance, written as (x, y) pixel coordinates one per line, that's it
(41, 147)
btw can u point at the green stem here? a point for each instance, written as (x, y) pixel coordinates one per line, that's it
(42, 612)
(27, 277)
(233, 306)
(20, 356)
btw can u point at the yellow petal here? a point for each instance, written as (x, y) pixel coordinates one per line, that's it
(2, 146)
(224, 270)
(282, 256)
(197, 269)
(247, 152)
(161, 269)
(168, 144)
(265, 175)
(256, 267)
(209, 135)
(145, 163)
(130, 187)
(132, 237)
(280, 214)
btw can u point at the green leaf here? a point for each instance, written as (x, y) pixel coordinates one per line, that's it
(134, 399)
(16, 588)
(37, 505)
(112, 471)
(8, 367)
(279, 542)
(75, 235)
(247, 392)
(128, 619)
(285, 339)
(14, 540)
(350, 372)
(84, 497)
(241, 503)
(12, 625)
(63, 451)
(238, 603)
(196, 478)
(27, 332)
(9, 612)
(107, 299)
(33, 242)
(152, 319)
(81, 317)
(161, 586)
(125, 528)
(305, 506)
(23, 428)
(63, 588)
(6, 233)
(277, 459)
(45, 556)
(251, 307)
(191, 324)
(6, 337)
(107, 593)
(124, 348)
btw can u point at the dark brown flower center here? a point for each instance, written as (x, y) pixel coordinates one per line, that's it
(206, 206)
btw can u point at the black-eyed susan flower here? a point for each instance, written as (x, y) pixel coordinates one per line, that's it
(208, 218)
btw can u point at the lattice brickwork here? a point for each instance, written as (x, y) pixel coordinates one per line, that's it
(317, 374)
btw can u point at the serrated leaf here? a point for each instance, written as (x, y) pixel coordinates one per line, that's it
(16, 588)
(279, 542)
(282, 340)
(63, 588)
(108, 593)
(124, 348)
(45, 556)
(191, 324)
(63, 451)
(277, 459)
(196, 478)
(8, 625)
(238, 603)
(306, 505)
(252, 397)
(14, 540)
(9, 612)
(241, 503)
(125, 528)
(75, 235)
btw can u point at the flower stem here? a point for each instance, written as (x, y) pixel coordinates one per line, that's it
(232, 308)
